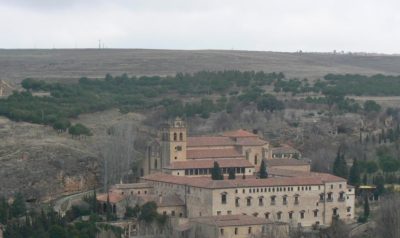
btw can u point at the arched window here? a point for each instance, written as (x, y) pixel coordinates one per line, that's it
(175, 137)
(181, 136)
(237, 202)
(284, 199)
(255, 159)
(248, 200)
(296, 199)
(261, 201)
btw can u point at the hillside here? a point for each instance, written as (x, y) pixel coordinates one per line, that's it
(54, 64)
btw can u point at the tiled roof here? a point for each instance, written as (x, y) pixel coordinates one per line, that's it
(231, 220)
(284, 149)
(286, 162)
(209, 163)
(131, 185)
(202, 182)
(239, 133)
(168, 200)
(286, 172)
(113, 197)
(250, 141)
(209, 141)
(213, 153)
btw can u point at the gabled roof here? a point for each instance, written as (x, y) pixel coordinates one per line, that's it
(213, 153)
(199, 141)
(113, 197)
(131, 185)
(168, 200)
(239, 133)
(231, 220)
(250, 141)
(209, 163)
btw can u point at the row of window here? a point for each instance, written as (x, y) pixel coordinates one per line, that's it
(260, 200)
(208, 171)
(138, 192)
(173, 213)
(249, 230)
(276, 189)
(284, 199)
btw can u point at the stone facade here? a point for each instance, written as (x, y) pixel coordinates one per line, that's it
(306, 200)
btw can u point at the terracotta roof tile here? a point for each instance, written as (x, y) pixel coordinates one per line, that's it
(131, 185)
(286, 172)
(202, 182)
(239, 133)
(113, 197)
(209, 141)
(286, 162)
(168, 200)
(250, 141)
(209, 163)
(213, 153)
(284, 149)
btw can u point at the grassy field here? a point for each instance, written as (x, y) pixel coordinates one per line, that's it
(71, 64)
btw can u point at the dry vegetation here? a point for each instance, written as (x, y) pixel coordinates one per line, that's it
(62, 65)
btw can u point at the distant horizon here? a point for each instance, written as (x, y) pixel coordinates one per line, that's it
(238, 50)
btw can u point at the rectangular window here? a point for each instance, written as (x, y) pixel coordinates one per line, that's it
(236, 230)
(223, 198)
(221, 231)
(249, 230)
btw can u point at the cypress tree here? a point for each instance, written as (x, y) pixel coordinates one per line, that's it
(354, 177)
(263, 170)
(216, 173)
(366, 207)
(340, 166)
(365, 179)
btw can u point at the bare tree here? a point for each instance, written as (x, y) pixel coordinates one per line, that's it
(338, 229)
(118, 152)
(388, 217)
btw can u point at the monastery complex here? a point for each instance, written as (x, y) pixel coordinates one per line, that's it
(177, 177)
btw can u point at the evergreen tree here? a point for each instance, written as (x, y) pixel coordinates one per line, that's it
(366, 207)
(18, 208)
(365, 179)
(340, 165)
(354, 177)
(379, 182)
(94, 201)
(232, 174)
(4, 210)
(216, 173)
(263, 170)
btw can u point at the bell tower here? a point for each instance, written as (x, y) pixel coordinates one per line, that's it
(173, 142)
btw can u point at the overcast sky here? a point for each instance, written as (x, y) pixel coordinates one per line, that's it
(272, 25)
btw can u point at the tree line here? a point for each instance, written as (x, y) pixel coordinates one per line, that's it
(68, 101)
